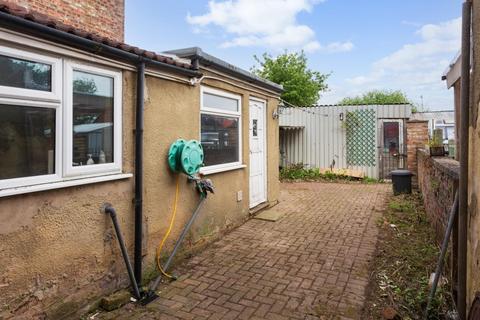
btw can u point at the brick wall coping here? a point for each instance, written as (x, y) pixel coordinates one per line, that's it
(446, 165)
(416, 121)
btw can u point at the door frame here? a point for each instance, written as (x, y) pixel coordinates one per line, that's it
(401, 143)
(265, 150)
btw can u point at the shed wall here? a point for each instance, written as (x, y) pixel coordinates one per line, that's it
(316, 136)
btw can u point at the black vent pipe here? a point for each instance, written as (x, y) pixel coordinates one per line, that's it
(137, 262)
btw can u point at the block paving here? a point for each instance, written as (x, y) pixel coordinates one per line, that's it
(313, 263)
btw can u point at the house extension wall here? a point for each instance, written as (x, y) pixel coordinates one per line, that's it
(101, 17)
(59, 252)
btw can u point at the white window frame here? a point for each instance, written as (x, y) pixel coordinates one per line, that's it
(46, 178)
(60, 98)
(221, 112)
(56, 85)
(116, 165)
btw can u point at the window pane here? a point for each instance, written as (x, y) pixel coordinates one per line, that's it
(25, 74)
(27, 141)
(92, 119)
(219, 139)
(218, 102)
(391, 137)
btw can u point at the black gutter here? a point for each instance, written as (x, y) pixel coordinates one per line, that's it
(463, 183)
(139, 172)
(48, 33)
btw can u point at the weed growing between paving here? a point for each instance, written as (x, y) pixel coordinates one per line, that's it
(300, 173)
(406, 256)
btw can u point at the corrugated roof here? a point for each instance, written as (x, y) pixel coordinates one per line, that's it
(40, 18)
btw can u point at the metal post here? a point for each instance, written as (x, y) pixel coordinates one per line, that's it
(443, 252)
(463, 184)
(179, 242)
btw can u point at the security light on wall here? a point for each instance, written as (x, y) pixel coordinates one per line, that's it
(341, 116)
(279, 110)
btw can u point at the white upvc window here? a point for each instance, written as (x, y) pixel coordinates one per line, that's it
(220, 130)
(92, 119)
(60, 121)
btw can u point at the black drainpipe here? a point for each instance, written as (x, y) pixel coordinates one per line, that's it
(137, 262)
(463, 183)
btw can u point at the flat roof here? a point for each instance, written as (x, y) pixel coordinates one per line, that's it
(205, 59)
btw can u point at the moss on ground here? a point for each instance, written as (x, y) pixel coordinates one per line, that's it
(406, 256)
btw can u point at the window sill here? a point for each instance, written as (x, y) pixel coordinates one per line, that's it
(207, 171)
(65, 183)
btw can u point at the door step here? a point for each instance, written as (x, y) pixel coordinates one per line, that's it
(258, 208)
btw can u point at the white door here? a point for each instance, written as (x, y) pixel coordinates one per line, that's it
(257, 129)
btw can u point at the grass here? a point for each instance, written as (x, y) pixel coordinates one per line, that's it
(406, 256)
(299, 173)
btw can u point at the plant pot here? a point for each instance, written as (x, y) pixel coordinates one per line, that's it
(437, 151)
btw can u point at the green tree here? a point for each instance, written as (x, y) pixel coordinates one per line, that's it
(302, 85)
(377, 97)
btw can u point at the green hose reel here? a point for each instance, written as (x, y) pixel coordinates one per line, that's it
(185, 156)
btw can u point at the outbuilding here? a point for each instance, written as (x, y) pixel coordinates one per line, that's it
(359, 140)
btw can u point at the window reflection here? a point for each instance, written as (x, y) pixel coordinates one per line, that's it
(92, 119)
(27, 141)
(220, 139)
(25, 74)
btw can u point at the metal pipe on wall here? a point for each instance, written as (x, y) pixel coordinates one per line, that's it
(111, 211)
(463, 183)
(139, 116)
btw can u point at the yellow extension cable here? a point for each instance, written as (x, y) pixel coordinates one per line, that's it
(160, 246)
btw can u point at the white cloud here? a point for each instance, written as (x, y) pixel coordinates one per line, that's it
(267, 23)
(416, 68)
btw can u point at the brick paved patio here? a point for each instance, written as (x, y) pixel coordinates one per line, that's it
(311, 264)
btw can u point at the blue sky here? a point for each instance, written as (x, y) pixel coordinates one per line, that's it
(371, 44)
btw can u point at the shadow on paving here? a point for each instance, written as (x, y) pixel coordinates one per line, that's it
(310, 264)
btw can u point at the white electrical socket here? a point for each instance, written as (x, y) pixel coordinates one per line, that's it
(239, 196)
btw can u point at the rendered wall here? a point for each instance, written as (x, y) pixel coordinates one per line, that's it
(59, 253)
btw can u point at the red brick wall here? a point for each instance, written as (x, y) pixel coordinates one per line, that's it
(438, 182)
(417, 137)
(102, 17)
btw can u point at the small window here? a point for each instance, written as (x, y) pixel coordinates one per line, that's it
(25, 74)
(28, 75)
(220, 124)
(212, 101)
